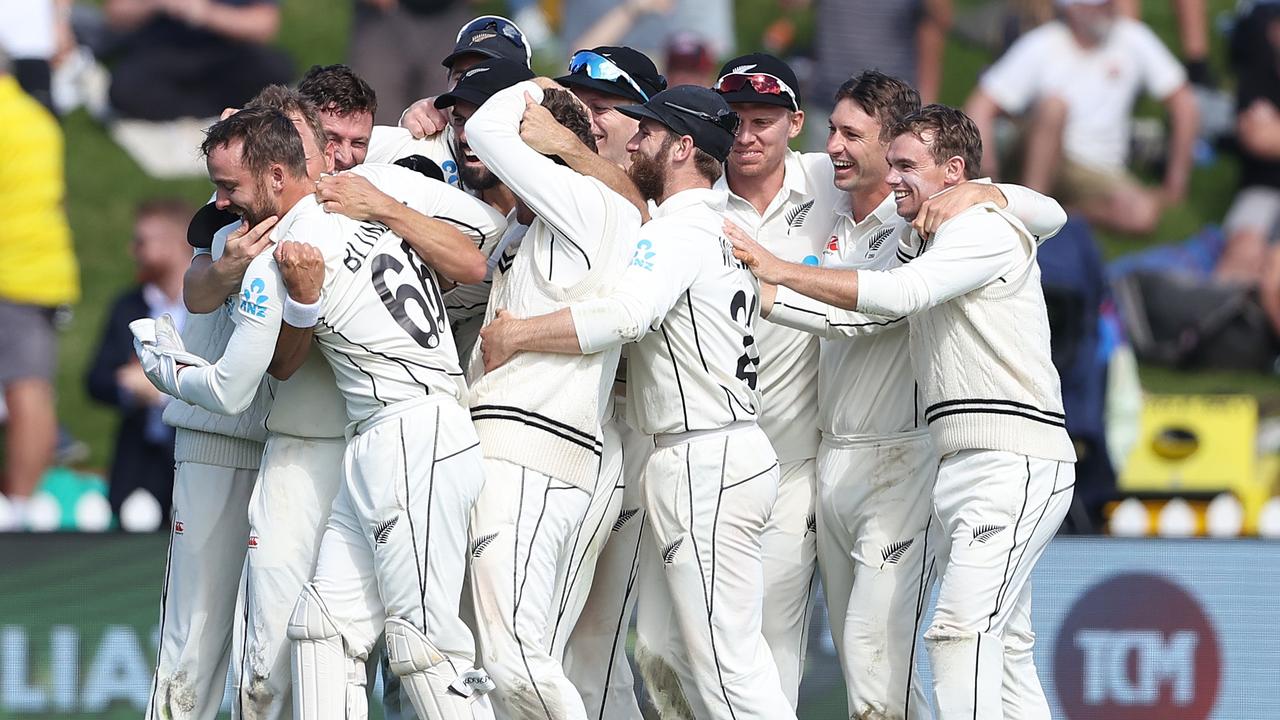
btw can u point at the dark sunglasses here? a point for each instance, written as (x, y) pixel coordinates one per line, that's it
(726, 120)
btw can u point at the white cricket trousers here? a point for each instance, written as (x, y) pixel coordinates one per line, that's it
(789, 546)
(197, 605)
(595, 658)
(996, 512)
(709, 496)
(534, 545)
(396, 541)
(297, 483)
(875, 504)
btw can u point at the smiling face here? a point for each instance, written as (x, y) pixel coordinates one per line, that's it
(471, 171)
(914, 175)
(853, 144)
(760, 147)
(238, 190)
(348, 135)
(612, 129)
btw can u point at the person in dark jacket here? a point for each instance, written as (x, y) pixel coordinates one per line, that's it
(143, 456)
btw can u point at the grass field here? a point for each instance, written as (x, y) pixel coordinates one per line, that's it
(104, 185)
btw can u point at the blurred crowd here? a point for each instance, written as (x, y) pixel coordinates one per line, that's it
(1056, 110)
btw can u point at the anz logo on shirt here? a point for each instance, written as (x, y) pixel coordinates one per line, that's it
(643, 256)
(252, 299)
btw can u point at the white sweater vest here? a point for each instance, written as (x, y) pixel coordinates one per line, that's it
(543, 411)
(984, 364)
(205, 437)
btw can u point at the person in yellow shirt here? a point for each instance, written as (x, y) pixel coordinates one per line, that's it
(38, 275)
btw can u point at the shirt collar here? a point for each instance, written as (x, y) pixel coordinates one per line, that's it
(794, 180)
(714, 198)
(885, 212)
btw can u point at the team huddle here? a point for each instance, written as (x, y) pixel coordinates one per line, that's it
(477, 388)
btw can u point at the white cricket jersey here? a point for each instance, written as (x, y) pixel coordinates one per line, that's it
(388, 144)
(865, 384)
(690, 307)
(308, 404)
(411, 300)
(793, 227)
(544, 411)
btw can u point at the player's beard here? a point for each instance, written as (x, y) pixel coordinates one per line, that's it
(262, 208)
(650, 174)
(476, 177)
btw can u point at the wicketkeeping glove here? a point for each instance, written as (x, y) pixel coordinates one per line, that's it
(160, 350)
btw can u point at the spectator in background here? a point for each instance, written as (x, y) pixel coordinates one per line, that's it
(192, 58)
(38, 274)
(397, 46)
(143, 456)
(645, 25)
(903, 39)
(28, 36)
(1252, 224)
(1072, 83)
(689, 60)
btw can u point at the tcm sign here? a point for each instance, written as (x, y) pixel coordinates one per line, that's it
(1137, 647)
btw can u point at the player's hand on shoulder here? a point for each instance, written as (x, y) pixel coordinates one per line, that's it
(351, 195)
(936, 210)
(540, 131)
(498, 340)
(423, 119)
(302, 269)
(745, 248)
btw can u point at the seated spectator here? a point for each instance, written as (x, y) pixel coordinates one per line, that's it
(38, 275)
(689, 60)
(1071, 83)
(143, 456)
(192, 58)
(1253, 223)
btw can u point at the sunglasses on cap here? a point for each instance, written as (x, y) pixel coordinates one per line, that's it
(726, 120)
(501, 26)
(599, 67)
(763, 83)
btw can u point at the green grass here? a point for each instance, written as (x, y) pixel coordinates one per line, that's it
(104, 185)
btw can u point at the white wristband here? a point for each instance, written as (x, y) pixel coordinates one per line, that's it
(300, 315)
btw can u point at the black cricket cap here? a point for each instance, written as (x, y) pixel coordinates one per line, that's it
(479, 83)
(633, 62)
(491, 36)
(695, 111)
(768, 65)
(207, 221)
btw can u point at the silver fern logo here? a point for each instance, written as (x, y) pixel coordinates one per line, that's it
(623, 517)
(383, 531)
(983, 533)
(892, 553)
(797, 215)
(877, 240)
(669, 552)
(480, 543)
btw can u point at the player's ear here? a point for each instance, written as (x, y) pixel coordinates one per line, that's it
(955, 170)
(329, 161)
(797, 124)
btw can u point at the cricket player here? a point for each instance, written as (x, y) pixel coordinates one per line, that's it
(605, 78)
(712, 480)
(876, 463)
(393, 378)
(546, 455)
(979, 346)
(786, 201)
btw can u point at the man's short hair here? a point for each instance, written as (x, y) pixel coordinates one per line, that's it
(947, 133)
(291, 102)
(268, 137)
(885, 98)
(568, 112)
(336, 89)
(171, 208)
